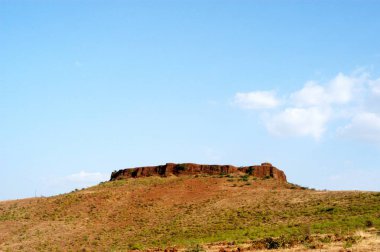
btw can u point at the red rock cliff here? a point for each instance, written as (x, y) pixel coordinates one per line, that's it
(265, 170)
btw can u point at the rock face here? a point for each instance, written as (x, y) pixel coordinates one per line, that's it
(265, 170)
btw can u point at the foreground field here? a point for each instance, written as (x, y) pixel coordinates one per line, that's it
(192, 213)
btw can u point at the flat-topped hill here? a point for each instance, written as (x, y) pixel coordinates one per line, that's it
(265, 170)
(220, 211)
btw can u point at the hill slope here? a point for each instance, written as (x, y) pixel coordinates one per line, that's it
(157, 212)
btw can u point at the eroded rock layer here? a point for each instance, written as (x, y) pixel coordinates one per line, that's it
(265, 170)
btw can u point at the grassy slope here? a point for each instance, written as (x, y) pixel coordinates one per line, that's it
(160, 212)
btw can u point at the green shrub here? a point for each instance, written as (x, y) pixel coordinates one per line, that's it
(271, 243)
(250, 170)
(181, 167)
(135, 246)
(368, 223)
(244, 178)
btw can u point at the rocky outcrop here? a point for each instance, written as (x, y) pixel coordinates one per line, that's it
(265, 170)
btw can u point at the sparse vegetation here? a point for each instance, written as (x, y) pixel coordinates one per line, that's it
(181, 167)
(244, 178)
(195, 248)
(155, 212)
(250, 170)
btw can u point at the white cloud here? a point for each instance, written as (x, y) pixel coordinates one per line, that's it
(339, 90)
(375, 87)
(256, 100)
(309, 110)
(299, 122)
(311, 94)
(363, 126)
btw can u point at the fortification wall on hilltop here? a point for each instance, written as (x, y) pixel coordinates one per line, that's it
(265, 170)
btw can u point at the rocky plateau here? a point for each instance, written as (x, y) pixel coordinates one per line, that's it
(265, 170)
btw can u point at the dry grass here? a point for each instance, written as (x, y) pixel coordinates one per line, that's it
(159, 212)
(366, 241)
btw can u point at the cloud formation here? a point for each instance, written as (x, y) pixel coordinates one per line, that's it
(364, 126)
(310, 110)
(299, 122)
(339, 90)
(375, 87)
(256, 100)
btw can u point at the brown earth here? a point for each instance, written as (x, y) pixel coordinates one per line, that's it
(215, 211)
(265, 170)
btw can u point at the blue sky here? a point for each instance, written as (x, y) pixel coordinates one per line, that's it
(88, 87)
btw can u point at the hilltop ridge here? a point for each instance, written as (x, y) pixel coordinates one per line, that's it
(265, 170)
(169, 208)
